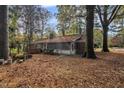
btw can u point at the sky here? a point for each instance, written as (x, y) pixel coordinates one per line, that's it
(53, 10)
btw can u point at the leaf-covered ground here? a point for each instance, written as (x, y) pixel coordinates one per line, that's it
(65, 71)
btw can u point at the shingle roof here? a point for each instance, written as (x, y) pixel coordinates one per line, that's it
(59, 39)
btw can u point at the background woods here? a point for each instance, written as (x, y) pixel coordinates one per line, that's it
(27, 24)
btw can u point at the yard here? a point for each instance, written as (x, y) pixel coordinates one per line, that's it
(65, 71)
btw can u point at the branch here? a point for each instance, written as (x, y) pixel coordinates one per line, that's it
(99, 14)
(113, 30)
(114, 13)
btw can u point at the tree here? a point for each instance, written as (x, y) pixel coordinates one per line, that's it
(32, 22)
(97, 38)
(49, 33)
(119, 30)
(69, 16)
(35, 19)
(41, 20)
(89, 31)
(63, 17)
(106, 15)
(27, 22)
(3, 33)
(13, 27)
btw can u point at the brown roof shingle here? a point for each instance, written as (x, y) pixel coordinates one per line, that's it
(67, 38)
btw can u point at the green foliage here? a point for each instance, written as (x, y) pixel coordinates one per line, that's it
(26, 24)
(73, 29)
(98, 38)
(13, 26)
(50, 33)
(69, 16)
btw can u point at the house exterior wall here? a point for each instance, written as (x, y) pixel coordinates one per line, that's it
(66, 52)
(67, 48)
(79, 47)
(61, 46)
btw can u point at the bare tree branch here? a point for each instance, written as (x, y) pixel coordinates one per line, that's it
(114, 13)
(99, 13)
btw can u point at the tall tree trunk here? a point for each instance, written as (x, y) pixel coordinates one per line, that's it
(3, 33)
(42, 31)
(105, 31)
(89, 31)
(106, 17)
(105, 39)
(122, 32)
(18, 47)
(80, 30)
(63, 32)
